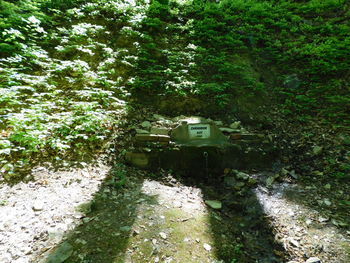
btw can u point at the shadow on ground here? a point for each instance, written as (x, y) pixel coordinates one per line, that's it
(240, 231)
(328, 196)
(103, 233)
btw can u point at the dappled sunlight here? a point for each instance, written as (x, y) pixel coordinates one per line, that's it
(89, 87)
(304, 227)
(165, 229)
(46, 208)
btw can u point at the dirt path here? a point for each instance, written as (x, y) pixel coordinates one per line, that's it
(35, 215)
(87, 216)
(303, 228)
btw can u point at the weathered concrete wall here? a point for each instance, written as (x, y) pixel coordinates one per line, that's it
(197, 144)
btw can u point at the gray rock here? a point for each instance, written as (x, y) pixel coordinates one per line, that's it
(235, 125)
(214, 204)
(252, 181)
(207, 247)
(225, 129)
(270, 180)
(62, 253)
(163, 235)
(313, 260)
(179, 118)
(146, 124)
(38, 206)
(242, 176)
(293, 174)
(327, 202)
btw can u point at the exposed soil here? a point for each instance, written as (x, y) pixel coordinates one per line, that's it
(105, 214)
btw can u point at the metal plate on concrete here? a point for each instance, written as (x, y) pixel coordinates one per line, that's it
(199, 131)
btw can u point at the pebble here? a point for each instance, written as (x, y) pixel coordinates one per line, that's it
(207, 247)
(294, 242)
(163, 235)
(40, 215)
(38, 206)
(313, 260)
(308, 221)
(322, 219)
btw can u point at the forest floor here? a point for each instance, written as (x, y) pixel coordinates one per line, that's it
(84, 215)
(81, 215)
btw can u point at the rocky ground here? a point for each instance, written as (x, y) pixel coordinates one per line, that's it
(35, 216)
(101, 213)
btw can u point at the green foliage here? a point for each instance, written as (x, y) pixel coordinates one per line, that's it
(64, 63)
(60, 100)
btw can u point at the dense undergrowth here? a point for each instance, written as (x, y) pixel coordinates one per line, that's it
(67, 66)
(61, 88)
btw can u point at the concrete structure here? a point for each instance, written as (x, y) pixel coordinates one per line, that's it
(197, 145)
